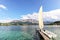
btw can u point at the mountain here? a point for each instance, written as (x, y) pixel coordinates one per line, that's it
(27, 22)
(24, 22)
(30, 21)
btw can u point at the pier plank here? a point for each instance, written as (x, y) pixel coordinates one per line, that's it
(44, 36)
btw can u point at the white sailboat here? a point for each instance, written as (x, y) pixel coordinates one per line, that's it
(41, 26)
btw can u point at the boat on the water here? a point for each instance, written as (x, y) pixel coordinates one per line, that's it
(44, 33)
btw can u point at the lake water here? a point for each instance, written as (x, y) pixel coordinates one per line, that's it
(25, 32)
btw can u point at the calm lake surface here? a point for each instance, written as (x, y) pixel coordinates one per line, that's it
(25, 32)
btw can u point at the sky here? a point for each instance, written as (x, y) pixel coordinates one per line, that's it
(28, 9)
(15, 8)
(51, 10)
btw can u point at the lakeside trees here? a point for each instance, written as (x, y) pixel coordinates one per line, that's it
(18, 23)
(27, 23)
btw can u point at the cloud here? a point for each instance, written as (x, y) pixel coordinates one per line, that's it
(53, 15)
(30, 16)
(3, 7)
(5, 21)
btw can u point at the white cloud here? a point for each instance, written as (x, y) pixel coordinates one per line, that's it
(3, 7)
(52, 15)
(30, 16)
(5, 21)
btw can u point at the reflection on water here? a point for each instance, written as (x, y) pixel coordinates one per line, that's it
(24, 32)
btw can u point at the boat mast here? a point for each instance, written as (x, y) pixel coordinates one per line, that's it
(40, 18)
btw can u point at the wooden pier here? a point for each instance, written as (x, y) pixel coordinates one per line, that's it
(42, 35)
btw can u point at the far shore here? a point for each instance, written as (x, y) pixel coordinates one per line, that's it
(31, 25)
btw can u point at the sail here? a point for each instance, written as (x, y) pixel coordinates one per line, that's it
(40, 18)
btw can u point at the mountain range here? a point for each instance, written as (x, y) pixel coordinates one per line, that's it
(27, 22)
